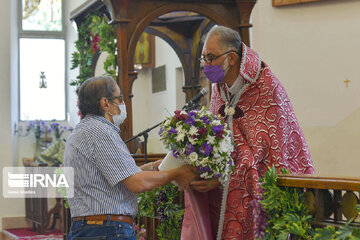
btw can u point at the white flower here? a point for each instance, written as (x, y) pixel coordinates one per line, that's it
(215, 149)
(167, 123)
(210, 140)
(216, 122)
(204, 175)
(180, 137)
(192, 140)
(179, 128)
(225, 146)
(193, 156)
(217, 158)
(229, 111)
(193, 130)
(205, 161)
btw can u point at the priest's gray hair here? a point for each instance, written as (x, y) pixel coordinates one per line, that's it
(228, 38)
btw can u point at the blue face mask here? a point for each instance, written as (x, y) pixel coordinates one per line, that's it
(119, 118)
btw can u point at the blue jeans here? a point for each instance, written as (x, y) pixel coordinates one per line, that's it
(109, 230)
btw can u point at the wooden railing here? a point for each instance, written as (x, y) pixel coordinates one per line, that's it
(140, 158)
(330, 199)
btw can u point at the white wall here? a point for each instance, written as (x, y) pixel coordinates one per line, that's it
(72, 36)
(312, 48)
(9, 207)
(151, 108)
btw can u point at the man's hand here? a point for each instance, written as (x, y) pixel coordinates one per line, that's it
(185, 177)
(205, 185)
(156, 164)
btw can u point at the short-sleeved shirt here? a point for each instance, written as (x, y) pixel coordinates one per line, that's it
(100, 160)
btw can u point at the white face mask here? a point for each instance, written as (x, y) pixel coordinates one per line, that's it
(119, 118)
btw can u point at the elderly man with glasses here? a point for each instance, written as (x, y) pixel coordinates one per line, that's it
(106, 178)
(266, 132)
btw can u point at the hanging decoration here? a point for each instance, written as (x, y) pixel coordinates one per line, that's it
(42, 83)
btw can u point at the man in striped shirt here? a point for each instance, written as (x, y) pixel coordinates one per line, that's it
(106, 178)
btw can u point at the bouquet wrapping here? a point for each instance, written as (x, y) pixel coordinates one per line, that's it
(170, 162)
(201, 139)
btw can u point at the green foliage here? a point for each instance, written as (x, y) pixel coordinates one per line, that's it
(325, 233)
(82, 57)
(99, 26)
(62, 189)
(162, 201)
(147, 203)
(287, 214)
(95, 26)
(285, 208)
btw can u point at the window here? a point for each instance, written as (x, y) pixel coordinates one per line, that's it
(42, 60)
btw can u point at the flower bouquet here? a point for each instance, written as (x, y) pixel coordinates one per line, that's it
(201, 139)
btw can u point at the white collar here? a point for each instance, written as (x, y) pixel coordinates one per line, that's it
(237, 85)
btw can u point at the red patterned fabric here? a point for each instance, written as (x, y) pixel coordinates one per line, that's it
(267, 134)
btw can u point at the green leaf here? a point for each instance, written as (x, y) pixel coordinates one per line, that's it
(297, 229)
(355, 233)
(344, 232)
(327, 233)
(284, 235)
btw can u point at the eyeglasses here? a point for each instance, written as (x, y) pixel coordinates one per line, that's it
(208, 59)
(121, 98)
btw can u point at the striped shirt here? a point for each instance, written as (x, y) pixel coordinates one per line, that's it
(100, 160)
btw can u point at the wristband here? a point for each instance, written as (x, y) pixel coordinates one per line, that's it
(151, 166)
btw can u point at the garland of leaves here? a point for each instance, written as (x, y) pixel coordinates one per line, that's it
(163, 202)
(106, 42)
(95, 34)
(286, 215)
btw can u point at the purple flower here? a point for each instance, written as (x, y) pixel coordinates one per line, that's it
(189, 149)
(205, 149)
(54, 125)
(205, 120)
(259, 213)
(191, 118)
(190, 121)
(260, 219)
(161, 130)
(172, 131)
(217, 175)
(192, 114)
(176, 153)
(203, 169)
(217, 129)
